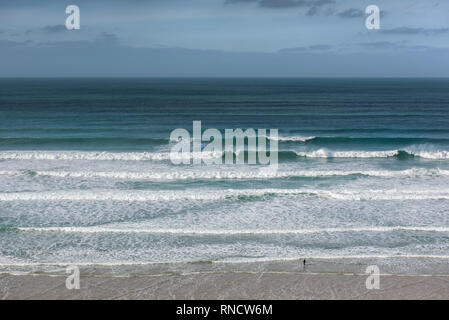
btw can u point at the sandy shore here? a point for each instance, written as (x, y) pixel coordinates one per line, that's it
(320, 279)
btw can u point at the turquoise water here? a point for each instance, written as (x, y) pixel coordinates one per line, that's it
(85, 175)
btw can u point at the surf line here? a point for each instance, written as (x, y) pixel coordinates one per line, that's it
(188, 149)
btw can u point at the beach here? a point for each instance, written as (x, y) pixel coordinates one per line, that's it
(337, 279)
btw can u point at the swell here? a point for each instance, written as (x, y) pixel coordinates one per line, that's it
(227, 194)
(85, 141)
(322, 141)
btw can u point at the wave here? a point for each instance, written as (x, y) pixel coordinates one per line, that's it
(401, 154)
(228, 194)
(422, 152)
(345, 139)
(232, 232)
(294, 138)
(102, 156)
(222, 175)
(361, 140)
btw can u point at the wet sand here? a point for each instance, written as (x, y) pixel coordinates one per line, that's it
(319, 279)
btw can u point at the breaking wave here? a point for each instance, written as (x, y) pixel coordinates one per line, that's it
(218, 175)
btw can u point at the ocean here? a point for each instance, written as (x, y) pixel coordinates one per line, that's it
(86, 178)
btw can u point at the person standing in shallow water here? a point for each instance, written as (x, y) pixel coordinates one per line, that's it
(304, 265)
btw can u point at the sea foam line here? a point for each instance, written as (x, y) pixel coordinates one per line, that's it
(332, 257)
(161, 156)
(227, 261)
(294, 138)
(231, 194)
(192, 175)
(103, 156)
(325, 153)
(230, 232)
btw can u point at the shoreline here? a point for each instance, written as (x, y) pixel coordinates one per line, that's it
(320, 279)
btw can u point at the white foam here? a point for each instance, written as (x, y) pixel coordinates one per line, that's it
(103, 156)
(199, 194)
(192, 175)
(160, 156)
(331, 257)
(294, 138)
(436, 155)
(229, 260)
(326, 153)
(230, 232)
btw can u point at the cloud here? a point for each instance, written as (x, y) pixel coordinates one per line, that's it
(54, 29)
(351, 13)
(104, 40)
(391, 46)
(317, 47)
(295, 49)
(320, 47)
(240, 1)
(108, 39)
(378, 45)
(92, 59)
(8, 44)
(414, 31)
(313, 11)
(285, 3)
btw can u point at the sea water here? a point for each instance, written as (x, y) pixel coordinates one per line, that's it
(86, 176)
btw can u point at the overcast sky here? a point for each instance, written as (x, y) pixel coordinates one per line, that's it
(224, 38)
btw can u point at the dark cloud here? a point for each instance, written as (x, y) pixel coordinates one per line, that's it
(400, 47)
(240, 1)
(286, 3)
(292, 3)
(41, 3)
(295, 49)
(103, 40)
(50, 29)
(351, 13)
(378, 45)
(108, 39)
(14, 44)
(90, 58)
(414, 31)
(317, 47)
(54, 29)
(313, 11)
(320, 47)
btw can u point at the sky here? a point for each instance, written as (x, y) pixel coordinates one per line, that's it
(214, 38)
